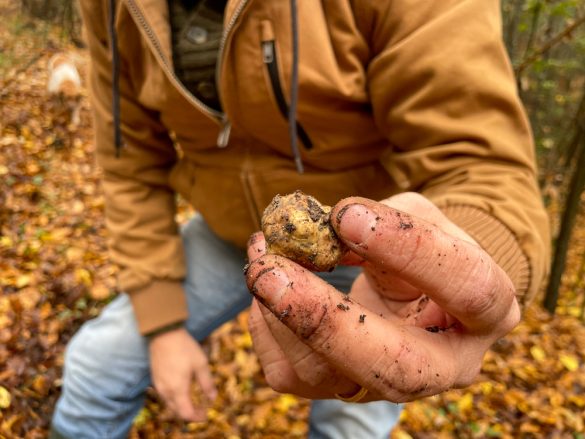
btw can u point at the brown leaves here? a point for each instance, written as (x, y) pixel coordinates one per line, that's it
(532, 383)
(52, 249)
(54, 269)
(245, 406)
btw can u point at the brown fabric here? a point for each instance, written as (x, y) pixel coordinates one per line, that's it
(164, 303)
(394, 95)
(498, 241)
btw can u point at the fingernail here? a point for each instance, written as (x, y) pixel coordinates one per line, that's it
(253, 239)
(356, 222)
(270, 286)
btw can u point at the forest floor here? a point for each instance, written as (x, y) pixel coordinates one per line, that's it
(55, 274)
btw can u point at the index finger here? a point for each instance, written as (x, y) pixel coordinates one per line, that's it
(458, 275)
(256, 246)
(186, 410)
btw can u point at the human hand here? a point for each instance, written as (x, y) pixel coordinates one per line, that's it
(428, 305)
(175, 358)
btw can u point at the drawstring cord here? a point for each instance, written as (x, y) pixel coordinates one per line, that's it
(294, 89)
(115, 78)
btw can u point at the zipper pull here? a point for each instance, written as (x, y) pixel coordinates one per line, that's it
(224, 133)
(267, 51)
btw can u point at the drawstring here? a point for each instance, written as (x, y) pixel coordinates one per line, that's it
(294, 89)
(115, 78)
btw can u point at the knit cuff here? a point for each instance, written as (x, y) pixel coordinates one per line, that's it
(497, 240)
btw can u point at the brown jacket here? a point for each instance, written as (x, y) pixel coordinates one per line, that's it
(393, 95)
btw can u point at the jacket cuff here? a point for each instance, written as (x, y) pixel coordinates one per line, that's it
(159, 304)
(497, 240)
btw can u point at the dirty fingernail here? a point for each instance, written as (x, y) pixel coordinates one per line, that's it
(356, 222)
(254, 239)
(256, 246)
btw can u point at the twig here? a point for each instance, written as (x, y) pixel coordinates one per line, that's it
(549, 45)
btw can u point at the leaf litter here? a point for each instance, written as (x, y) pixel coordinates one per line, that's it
(55, 274)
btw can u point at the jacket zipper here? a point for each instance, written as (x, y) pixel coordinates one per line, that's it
(270, 61)
(220, 117)
(224, 132)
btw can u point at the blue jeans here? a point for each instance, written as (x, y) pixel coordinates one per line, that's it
(107, 371)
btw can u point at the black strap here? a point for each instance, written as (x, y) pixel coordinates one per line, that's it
(294, 88)
(115, 78)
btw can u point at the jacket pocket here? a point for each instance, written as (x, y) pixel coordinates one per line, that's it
(369, 181)
(269, 57)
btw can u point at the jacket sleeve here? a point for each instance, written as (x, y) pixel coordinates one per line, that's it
(139, 206)
(444, 94)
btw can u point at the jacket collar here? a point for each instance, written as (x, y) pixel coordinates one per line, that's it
(153, 16)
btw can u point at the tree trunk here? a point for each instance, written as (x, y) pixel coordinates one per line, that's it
(569, 215)
(511, 17)
(570, 150)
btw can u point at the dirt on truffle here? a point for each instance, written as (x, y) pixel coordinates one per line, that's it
(297, 226)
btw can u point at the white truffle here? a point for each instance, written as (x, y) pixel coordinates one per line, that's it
(298, 227)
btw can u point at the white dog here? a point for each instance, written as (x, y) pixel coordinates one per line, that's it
(65, 83)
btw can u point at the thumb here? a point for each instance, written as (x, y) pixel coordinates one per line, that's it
(421, 207)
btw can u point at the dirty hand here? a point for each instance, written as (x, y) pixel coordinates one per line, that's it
(418, 321)
(175, 359)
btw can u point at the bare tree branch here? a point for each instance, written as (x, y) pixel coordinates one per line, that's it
(549, 45)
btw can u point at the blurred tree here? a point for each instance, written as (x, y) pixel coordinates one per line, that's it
(61, 12)
(575, 189)
(546, 43)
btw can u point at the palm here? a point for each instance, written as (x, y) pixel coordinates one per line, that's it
(418, 310)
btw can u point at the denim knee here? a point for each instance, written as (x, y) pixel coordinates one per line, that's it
(105, 375)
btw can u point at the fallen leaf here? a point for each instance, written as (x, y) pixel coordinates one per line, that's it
(285, 402)
(570, 362)
(465, 403)
(83, 276)
(5, 398)
(100, 292)
(537, 353)
(22, 281)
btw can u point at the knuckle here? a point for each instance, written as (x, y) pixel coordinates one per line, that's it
(479, 303)
(314, 322)
(402, 379)
(313, 369)
(512, 319)
(484, 296)
(321, 338)
(515, 314)
(280, 378)
(255, 323)
(410, 199)
(416, 383)
(414, 202)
